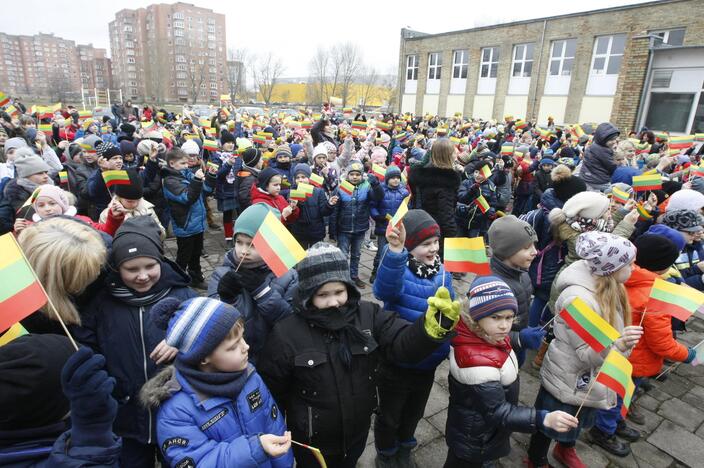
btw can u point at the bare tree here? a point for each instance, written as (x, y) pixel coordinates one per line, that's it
(350, 61)
(266, 73)
(237, 60)
(196, 73)
(57, 85)
(318, 80)
(389, 89)
(369, 79)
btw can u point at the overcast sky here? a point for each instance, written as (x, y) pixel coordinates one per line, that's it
(293, 30)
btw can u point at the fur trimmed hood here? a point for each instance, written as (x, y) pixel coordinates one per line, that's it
(159, 388)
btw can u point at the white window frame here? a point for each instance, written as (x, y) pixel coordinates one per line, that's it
(487, 84)
(665, 35)
(600, 81)
(522, 60)
(432, 84)
(412, 69)
(460, 64)
(562, 58)
(607, 56)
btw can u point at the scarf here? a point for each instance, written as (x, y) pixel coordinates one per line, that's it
(30, 186)
(341, 322)
(214, 384)
(235, 260)
(580, 224)
(421, 270)
(135, 299)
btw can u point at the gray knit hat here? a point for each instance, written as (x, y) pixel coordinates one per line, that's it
(15, 143)
(508, 235)
(27, 163)
(323, 263)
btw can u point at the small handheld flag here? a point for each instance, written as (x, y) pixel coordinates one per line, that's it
(13, 332)
(615, 373)
(379, 171)
(316, 453)
(482, 204)
(316, 180)
(359, 125)
(297, 194)
(347, 187)
(680, 301)
(400, 213)
(589, 325)
(620, 196)
(643, 214)
(116, 178)
(63, 177)
(306, 188)
(643, 183)
(466, 255)
(486, 172)
(277, 246)
(210, 145)
(4, 99)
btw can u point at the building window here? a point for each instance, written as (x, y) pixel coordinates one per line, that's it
(672, 37)
(434, 65)
(460, 62)
(562, 57)
(412, 67)
(608, 52)
(670, 111)
(522, 60)
(178, 15)
(489, 62)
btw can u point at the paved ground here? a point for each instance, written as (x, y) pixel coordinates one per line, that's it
(673, 434)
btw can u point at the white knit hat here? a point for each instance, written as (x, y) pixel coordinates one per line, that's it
(685, 199)
(190, 147)
(589, 205)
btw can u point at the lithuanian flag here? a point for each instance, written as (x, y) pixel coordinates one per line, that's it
(681, 142)
(347, 110)
(306, 124)
(4, 99)
(380, 124)
(84, 114)
(260, 140)
(359, 125)
(297, 194)
(466, 255)
(212, 165)
(12, 110)
(21, 294)
(347, 187)
(481, 203)
(643, 183)
(46, 128)
(589, 325)
(697, 136)
(486, 171)
(643, 214)
(620, 196)
(379, 171)
(204, 122)
(577, 130)
(520, 124)
(210, 145)
(63, 177)
(697, 171)
(316, 180)
(306, 188)
(507, 150)
(674, 299)
(615, 373)
(276, 246)
(12, 333)
(400, 213)
(116, 178)
(630, 389)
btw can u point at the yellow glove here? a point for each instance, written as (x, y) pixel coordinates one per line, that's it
(442, 314)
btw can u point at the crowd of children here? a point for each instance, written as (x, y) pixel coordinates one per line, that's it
(247, 367)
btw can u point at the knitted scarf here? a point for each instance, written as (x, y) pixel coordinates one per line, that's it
(421, 270)
(118, 290)
(214, 384)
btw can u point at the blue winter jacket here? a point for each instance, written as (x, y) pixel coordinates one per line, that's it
(407, 294)
(98, 191)
(219, 431)
(185, 195)
(310, 223)
(351, 213)
(387, 206)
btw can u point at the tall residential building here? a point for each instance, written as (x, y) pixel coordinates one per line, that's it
(44, 65)
(166, 53)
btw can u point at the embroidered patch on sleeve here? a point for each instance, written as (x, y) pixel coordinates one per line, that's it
(274, 412)
(187, 462)
(221, 414)
(255, 400)
(174, 442)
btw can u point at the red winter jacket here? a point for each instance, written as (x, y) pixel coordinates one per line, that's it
(278, 202)
(657, 342)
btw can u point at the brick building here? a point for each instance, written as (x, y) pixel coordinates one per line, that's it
(169, 53)
(47, 66)
(582, 67)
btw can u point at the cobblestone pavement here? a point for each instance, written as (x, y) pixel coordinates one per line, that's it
(673, 433)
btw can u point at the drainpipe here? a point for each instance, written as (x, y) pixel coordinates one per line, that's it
(540, 61)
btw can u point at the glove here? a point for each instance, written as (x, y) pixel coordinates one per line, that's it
(442, 314)
(251, 280)
(229, 287)
(691, 355)
(373, 180)
(531, 337)
(88, 388)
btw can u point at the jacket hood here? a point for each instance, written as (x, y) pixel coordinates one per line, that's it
(159, 388)
(549, 200)
(604, 132)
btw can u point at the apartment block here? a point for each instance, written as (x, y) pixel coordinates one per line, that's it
(169, 53)
(584, 67)
(96, 68)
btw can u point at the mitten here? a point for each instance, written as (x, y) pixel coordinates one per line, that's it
(373, 180)
(531, 337)
(229, 287)
(251, 280)
(442, 314)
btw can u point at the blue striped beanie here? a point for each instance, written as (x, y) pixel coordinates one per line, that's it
(488, 295)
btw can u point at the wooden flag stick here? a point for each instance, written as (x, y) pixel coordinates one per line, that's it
(643, 316)
(589, 390)
(243, 256)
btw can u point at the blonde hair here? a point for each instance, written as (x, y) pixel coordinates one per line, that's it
(67, 256)
(442, 153)
(612, 299)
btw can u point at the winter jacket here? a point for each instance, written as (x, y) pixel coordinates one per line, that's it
(97, 191)
(570, 363)
(261, 309)
(218, 430)
(468, 213)
(78, 175)
(144, 208)
(310, 223)
(387, 205)
(657, 342)
(246, 179)
(407, 294)
(279, 202)
(519, 282)
(598, 163)
(541, 183)
(318, 135)
(435, 191)
(125, 334)
(327, 404)
(484, 387)
(226, 187)
(185, 195)
(13, 197)
(687, 264)
(351, 213)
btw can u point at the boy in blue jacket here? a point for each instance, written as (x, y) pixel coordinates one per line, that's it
(410, 272)
(185, 191)
(309, 228)
(381, 210)
(214, 408)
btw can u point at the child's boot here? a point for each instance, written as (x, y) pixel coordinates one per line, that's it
(567, 456)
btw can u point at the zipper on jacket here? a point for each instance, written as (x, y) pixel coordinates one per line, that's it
(144, 363)
(310, 424)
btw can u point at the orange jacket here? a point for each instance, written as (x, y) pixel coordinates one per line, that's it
(657, 342)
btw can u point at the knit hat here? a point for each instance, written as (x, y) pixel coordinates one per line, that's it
(54, 193)
(283, 150)
(107, 150)
(195, 326)
(564, 184)
(392, 171)
(265, 176)
(322, 264)
(686, 199)
(420, 226)
(226, 137)
(302, 168)
(139, 236)
(127, 147)
(133, 190)
(589, 205)
(15, 143)
(604, 252)
(320, 149)
(30, 381)
(144, 147)
(508, 235)
(655, 253)
(27, 163)
(672, 234)
(683, 220)
(356, 166)
(547, 161)
(92, 141)
(190, 147)
(379, 155)
(251, 157)
(249, 220)
(488, 295)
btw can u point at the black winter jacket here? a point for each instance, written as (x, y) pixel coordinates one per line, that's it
(435, 191)
(598, 164)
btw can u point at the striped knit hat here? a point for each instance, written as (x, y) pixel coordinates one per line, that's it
(323, 263)
(195, 326)
(488, 295)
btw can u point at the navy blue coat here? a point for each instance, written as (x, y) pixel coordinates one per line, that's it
(310, 223)
(226, 186)
(351, 213)
(387, 206)
(468, 211)
(185, 196)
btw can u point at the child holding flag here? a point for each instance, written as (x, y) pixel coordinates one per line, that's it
(268, 191)
(476, 202)
(409, 274)
(571, 363)
(109, 159)
(309, 228)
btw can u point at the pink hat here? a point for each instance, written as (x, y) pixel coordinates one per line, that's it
(379, 155)
(55, 193)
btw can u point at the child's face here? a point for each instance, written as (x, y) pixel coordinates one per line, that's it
(332, 294)
(394, 182)
(40, 178)
(140, 273)
(193, 160)
(546, 167)
(497, 326)
(622, 274)
(179, 164)
(89, 157)
(245, 250)
(231, 355)
(427, 250)
(228, 146)
(301, 178)
(688, 236)
(320, 160)
(115, 162)
(523, 258)
(274, 186)
(46, 207)
(127, 203)
(354, 177)
(479, 177)
(128, 157)
(283, 159)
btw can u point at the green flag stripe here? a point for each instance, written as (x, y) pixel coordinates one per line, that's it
(615, 373)
(14, 278)
(673, 299)
(277, 245)
(464, 255)
(589, 326)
